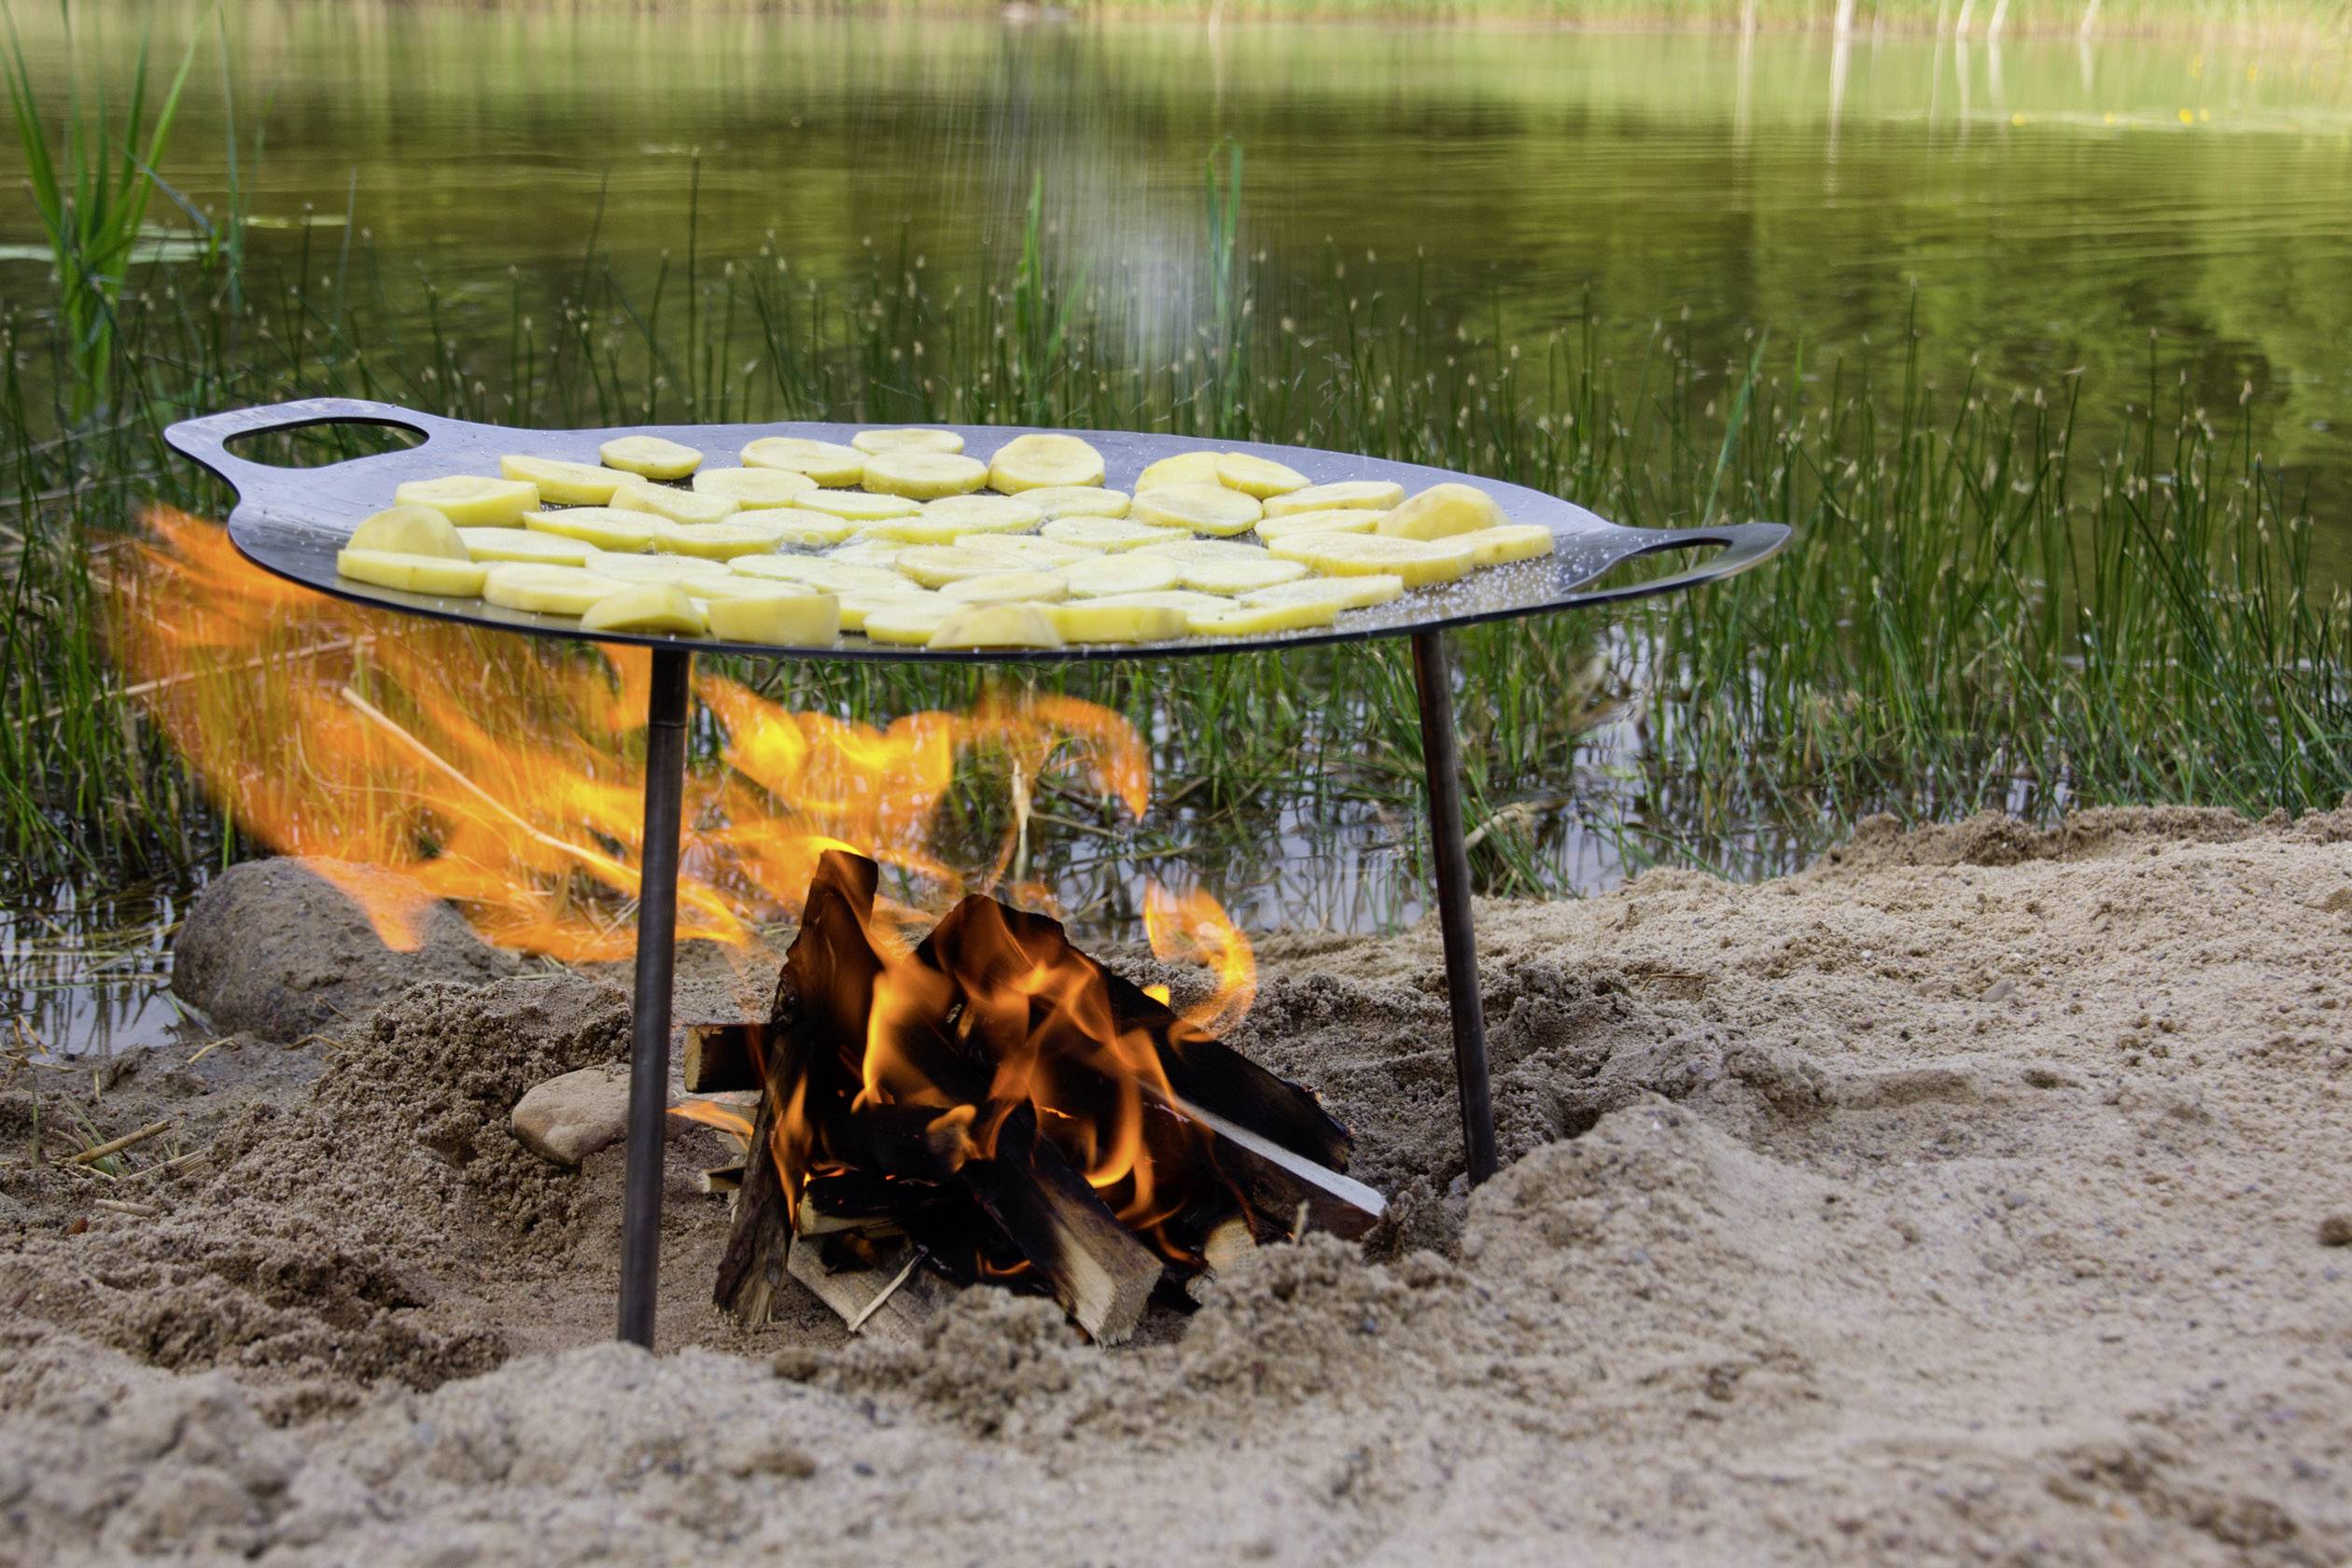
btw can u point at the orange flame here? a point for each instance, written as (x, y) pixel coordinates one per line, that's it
(502, 774)
(1193, 927)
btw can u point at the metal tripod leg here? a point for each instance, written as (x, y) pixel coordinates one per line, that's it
(650, 1021)
(1440, 756)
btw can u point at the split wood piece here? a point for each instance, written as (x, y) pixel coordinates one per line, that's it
(1280, 1187)
(1226, 1245)
(722, 1181)
(751, 1270)
(1095, 1267)
(722, 1056)
(887, 1299)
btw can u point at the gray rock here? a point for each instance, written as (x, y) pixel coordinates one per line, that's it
(277, 950)
(566, 1119)
(2336, 1231)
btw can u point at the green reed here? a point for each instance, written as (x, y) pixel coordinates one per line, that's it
(1978, 610)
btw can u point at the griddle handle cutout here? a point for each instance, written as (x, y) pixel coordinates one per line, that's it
(207, 439)
(1743, 545)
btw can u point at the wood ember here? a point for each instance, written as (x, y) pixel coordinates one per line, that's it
(995, 1105)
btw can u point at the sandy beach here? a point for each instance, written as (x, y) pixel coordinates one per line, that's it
(1982, 1194)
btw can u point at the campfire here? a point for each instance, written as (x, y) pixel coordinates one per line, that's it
(991, 1104)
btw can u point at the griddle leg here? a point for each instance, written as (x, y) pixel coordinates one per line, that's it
(1440, 756)
(650, 1021)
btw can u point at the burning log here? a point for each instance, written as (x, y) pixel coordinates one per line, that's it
(995, 1105)
(722, 1056)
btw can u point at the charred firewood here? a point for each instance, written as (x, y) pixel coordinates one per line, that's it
(722, 1056)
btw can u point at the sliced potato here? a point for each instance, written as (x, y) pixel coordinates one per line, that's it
(550, 590)
(1418, 562)
(1170, 598)
(907, 439)
(855, 607)
(601, 527)
(755, 488)
(1512, 541)
(563, 483)
(722, 541)
(416, 574)
(807, 529)
(1202, 508)
(1189, 468)
(824, 574)
(1115, 620)
(869, 552)
(524, 544)
(987, 514)
(908, 620)
(645, 607)
(793, 620)
(678, 505)
(1119, 574)
(1261, 620)
(471, 501)
(1348, 494)
(935, 565)
(1238, 573)
(856, 506)
(1443, 510)
(1329, 520)
(1076, 501)
(924, 476)
(654, 457)
(1260, 477)
(1027, 550)
(1190, 547)
(1007, 587)
(1112, 534)
(1339, 593)
(408, 530)
(826, 462)
(1042, 461)
(656, 569)
(996, 626)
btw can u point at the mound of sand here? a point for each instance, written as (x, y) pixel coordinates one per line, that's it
(1980, 1195)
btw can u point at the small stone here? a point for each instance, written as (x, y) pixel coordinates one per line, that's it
(2336, 1231)
(566, 1119)
(1999, 991)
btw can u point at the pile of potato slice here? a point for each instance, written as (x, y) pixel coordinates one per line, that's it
(903, 538)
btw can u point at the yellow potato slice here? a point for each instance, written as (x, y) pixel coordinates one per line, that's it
(822, 574)
(855, 607)
(1201, 509)
(1120, 574)
(1339, 593)
(1190, 468)
(1330, 521)
(550, 590)
(987, 514)
(601, 527)
(935, 565)
(1188, 547)
(1348, 495)
(907, 439)
(1042, 462)
(1443, 510)
(1238, 573)
(1027, 550)
(654, 457)
(1169, 598)
(924, 476)
(1111, 534)
(1418, 562)
(416, 574)
(856, 506)
(723, 541)
(995, 626)
(806, 529)
(908, 620)
(1113, 620)
(678, 505)
(755, 488)
(1261, 620)
(793, 620)
(929, 529)
(1076, 501)
(826, 462)
(1260, 477)
(1007, 587)
(523, 544)
(471, 501)
(408, 530)
(656, 569)
(869, 552)
(1512, 541)
(563, 483)
(645, 607)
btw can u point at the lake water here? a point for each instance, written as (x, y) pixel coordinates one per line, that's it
(2045, 207)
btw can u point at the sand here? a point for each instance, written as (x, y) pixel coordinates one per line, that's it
(1981, 1196)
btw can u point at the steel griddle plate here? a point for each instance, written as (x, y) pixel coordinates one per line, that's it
(292, 521)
